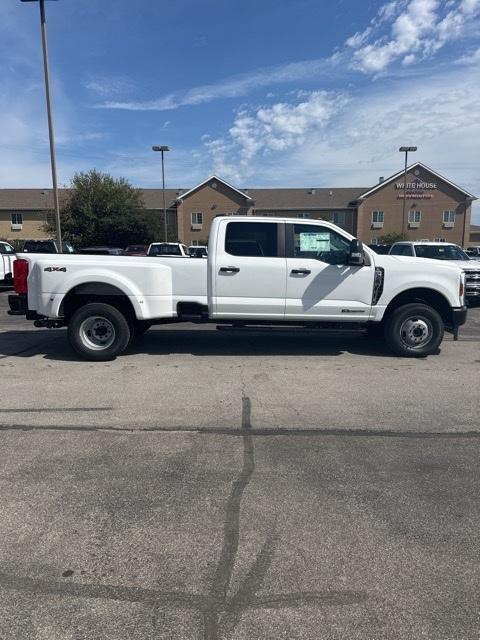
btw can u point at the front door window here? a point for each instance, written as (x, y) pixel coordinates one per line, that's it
(320, 243)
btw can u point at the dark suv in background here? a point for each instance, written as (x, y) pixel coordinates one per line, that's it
(46, 246)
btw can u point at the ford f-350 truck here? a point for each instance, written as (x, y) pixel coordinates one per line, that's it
(260, 271)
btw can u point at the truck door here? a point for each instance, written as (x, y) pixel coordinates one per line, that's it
(249, 270)
(320, 283)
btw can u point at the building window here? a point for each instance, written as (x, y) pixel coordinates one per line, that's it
(377, 217)
(414, 217)
(338, 217)
(439, 240)
(197, 218)
(449, 216)
(374, 241)
(50, 218)
(303, 215)
(17, 218)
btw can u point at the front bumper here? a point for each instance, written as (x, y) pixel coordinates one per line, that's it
(458, 316)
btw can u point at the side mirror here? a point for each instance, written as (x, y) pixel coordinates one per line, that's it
(356, 256)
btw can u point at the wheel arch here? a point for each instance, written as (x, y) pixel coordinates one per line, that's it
(86, 292)
(421, 295)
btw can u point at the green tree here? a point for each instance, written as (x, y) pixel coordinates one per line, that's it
(391, 238)
(103, 210)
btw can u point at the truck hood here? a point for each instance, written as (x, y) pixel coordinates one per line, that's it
(422, 264)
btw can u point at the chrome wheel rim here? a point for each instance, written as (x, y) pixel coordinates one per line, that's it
(416, 332)
(97, 333)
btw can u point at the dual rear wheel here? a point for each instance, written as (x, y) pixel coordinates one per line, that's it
(99, 331)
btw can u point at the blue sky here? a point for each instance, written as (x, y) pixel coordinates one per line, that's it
(261, 92)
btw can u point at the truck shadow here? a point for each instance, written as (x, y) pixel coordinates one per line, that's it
(52, 344)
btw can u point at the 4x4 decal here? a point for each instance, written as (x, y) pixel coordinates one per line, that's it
(50, 269)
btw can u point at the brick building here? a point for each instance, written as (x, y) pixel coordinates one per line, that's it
(435, 208)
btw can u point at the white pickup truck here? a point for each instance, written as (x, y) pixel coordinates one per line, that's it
(7, 258)
(260, 271)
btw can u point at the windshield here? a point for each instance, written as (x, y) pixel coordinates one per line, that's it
(437, 252)
(165, 249)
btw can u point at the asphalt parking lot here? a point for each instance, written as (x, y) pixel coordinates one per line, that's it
(229, 485)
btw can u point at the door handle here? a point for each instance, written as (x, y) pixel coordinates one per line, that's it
(300, 272)
(229, 269)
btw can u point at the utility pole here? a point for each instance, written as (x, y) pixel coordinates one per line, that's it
(51, 135)
(162, 149)
(405, 150)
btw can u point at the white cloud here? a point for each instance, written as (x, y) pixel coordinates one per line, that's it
(271, 129)
(108, 86)
(419, 31)
(235, 87)
(472, 59)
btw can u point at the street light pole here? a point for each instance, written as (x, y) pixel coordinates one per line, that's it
(51, 135)
(162, 149)
(405, 150)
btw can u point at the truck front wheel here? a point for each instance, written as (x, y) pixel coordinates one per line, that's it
(414, 330)
(98, 331)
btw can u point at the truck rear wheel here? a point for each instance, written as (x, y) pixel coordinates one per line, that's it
(98, 331)
(414, 330)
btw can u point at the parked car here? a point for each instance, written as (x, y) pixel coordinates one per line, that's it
(198, 251)
(136, 250)
(444, 251)
(168, 249)
(382, 249)
(7, 258)
(292, 278)
(46, 246)
(102, 251)
(473, 252)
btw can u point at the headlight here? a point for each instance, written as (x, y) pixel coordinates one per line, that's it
(461, 288)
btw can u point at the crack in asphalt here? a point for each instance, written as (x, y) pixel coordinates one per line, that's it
(221, 612)
(56, 409)
(338, 432)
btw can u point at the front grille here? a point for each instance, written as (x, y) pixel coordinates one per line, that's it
(472, 275)
(472, 283)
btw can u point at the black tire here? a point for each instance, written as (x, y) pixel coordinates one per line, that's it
(98, 332)
(414, 330)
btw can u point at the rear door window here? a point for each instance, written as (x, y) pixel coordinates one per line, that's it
(254, 239)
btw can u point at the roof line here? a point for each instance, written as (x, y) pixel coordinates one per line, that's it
(319, 208)
(402, 172)
(213, 177)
